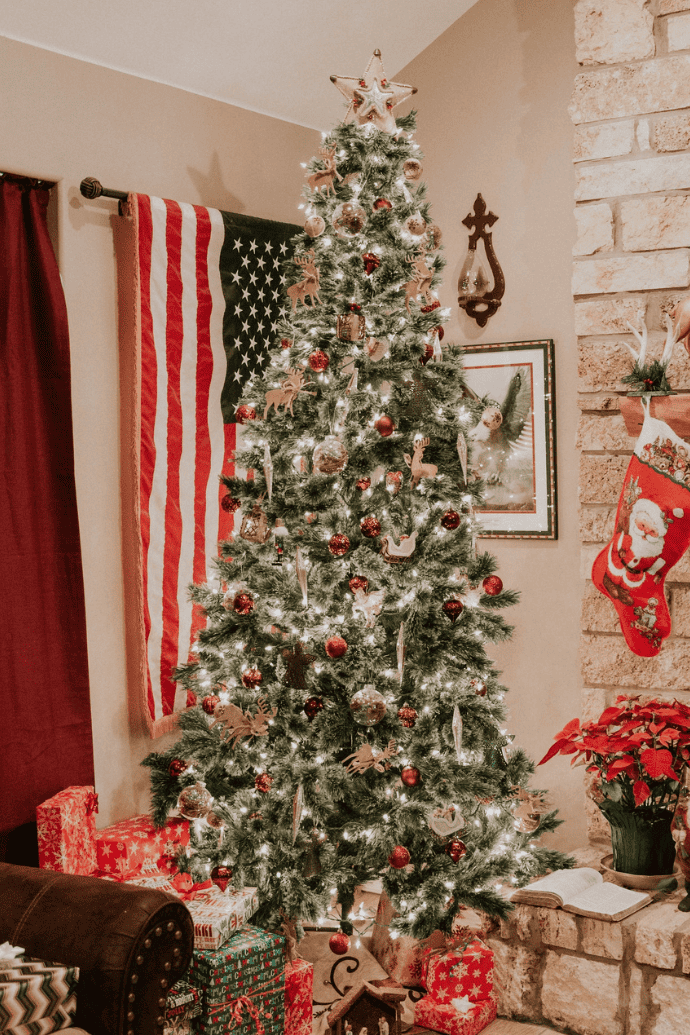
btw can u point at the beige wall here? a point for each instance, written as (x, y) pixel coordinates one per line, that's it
(63, 119)
(493, 93)
(492, 102)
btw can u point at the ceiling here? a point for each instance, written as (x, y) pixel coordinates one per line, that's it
(271, 57)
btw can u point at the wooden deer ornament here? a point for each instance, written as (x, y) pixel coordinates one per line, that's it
(419, 469)
(323, 178)
(420, 284)
(368, 757)
(308, 287)
(236, 723)
(289, 389)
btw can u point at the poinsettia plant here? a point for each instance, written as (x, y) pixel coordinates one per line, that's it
(636, 750)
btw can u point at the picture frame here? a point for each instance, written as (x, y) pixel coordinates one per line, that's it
(513, 447)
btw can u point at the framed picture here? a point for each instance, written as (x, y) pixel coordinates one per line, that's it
(513, 447)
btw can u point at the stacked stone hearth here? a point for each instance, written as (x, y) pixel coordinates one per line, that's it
(591, 977)
(631, 110)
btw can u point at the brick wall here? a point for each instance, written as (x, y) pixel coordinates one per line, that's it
(631, 111)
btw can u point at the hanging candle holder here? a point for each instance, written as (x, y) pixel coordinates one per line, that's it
(473, 294)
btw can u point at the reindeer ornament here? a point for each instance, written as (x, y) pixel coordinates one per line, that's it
(308, 287)
(235, 723)
(414, 462)
(289, 389)
(420, 284)
(322, 179)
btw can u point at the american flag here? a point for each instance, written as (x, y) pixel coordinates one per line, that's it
(208, 290)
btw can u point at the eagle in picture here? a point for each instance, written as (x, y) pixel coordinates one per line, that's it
(502, 454)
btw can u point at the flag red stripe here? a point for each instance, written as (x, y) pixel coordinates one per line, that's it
(173, 522)
(204, 372)
(226, 521)
(149, 374)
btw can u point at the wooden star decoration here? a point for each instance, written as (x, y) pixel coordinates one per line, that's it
(297, 661)
(372, 97)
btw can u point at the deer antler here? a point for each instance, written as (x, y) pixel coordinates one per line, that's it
(671, 339)
(642, 339)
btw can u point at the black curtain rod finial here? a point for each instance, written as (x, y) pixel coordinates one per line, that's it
(91, 188)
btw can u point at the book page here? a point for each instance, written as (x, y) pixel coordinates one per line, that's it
(607, 899)
(565, 883)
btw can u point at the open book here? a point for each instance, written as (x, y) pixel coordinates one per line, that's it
(582, 891)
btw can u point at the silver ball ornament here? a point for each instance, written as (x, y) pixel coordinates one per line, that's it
(368, 706)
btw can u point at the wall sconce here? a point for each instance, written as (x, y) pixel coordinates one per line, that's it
(473, 294)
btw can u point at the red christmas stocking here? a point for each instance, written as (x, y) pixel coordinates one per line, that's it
(652, 534)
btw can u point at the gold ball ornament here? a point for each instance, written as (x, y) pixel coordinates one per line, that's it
(412, 169)
(330, 456)
(415, 225)
(368, 706)
(314, 226)
(194, 802)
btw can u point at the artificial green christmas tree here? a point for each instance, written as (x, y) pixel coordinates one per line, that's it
(348, 723)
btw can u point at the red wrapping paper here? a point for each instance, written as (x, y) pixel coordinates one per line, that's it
(299, 993)
(67, 831)
(444, 1017)
(457, 973)
(126, 846)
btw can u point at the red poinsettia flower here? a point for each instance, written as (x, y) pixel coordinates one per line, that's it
(640, 747)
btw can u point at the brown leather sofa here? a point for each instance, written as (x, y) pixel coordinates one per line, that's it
(131, 944)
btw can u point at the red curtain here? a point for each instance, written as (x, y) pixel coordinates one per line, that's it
(45, 715)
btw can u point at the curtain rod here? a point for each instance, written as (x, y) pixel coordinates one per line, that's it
(91, 188)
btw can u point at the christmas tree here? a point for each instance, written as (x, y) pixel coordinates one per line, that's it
(348, 723)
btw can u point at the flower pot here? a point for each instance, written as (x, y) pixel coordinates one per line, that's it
(641, 839)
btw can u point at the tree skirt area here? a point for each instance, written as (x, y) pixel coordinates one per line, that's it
(334, 975)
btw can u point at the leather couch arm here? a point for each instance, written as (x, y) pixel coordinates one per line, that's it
(131, 944)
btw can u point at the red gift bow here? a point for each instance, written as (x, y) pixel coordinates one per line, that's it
(187, 890)
(244, 1003)
(91, 803)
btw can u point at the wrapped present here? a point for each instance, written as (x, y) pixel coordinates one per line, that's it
(36, 997)
(67, 831)
(126, 846)
(299, 993)
(459, 1017)
(242, 984)
(181, 1007)
(219, 915)
(402, 958)
(465, 971)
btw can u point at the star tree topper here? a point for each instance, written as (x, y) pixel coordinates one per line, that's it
(372, 98)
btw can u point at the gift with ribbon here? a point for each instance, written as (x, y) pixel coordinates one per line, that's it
(467, 970)
(299, 995)
(182, 1005)
(242, 985)
(126, 846)
(459, 1016)
(67, 831)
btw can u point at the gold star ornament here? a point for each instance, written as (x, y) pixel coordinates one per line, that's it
(372, 97)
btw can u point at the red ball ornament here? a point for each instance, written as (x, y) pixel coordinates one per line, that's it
(455, 849)
(335, 647)
(209, 703)
(453, 609)
(286, 343)
(385, 426)
(407, 716)
(381, 203)
(221, 876)
(243, 604)
(450, 520)
(338, 544)
(229, 504)
(312, 707)
(410, 776)
(428, 353)
(263, 782)
(371, 262)
(441, 333)
(251, 677)
(244, 414)
(358, 582)
(399, 857)
(432, 305)
(339, 943)
(370, 527)
(318, 361)
(177, 767)
(363, 483)
(492, 585)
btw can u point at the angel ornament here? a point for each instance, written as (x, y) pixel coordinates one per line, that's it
(502, 448)
(369, 605)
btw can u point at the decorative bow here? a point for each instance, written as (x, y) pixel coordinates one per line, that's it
(244, 1002)
(187, 890)
(91, 803)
